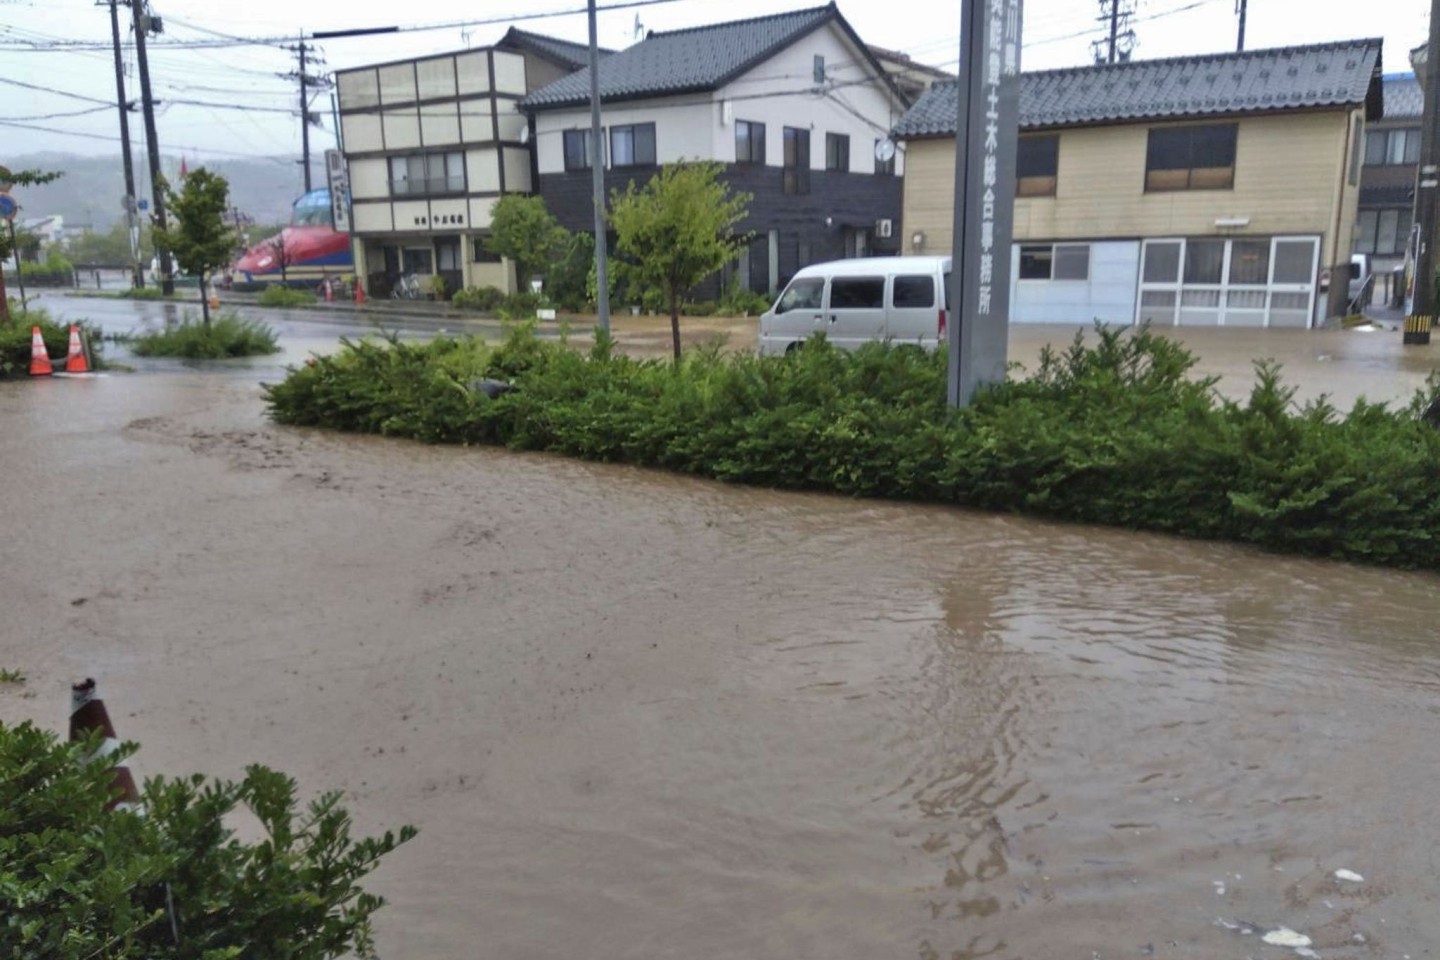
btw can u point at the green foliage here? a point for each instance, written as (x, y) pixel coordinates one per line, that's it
(55, 269)
(1112, 431)
(522, 230)
(15, 340)
(438, 287)
(676, 231)
(78, 882)
(484, 299)
(740, 302)
(568, 279)
(522, 305)
(112, 247)
(200, 240)
(141, 293)
(227, 336)
(11, 676)
(276, 295)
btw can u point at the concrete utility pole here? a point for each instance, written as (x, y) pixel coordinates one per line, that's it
(1427, 193)
(304, 117)
(597, 179)
(137, 269)
(152, 142)
(1240, 41)
(1122, 38)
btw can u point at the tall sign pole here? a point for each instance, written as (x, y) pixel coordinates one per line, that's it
(137, 269)
(597, 181)
(152, 141)
(1427, 193)
(986, 126)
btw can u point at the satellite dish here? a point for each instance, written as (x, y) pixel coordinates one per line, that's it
(525, 135)
(885, 150)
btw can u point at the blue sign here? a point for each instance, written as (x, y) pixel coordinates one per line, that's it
(144, 205)
(8, 206)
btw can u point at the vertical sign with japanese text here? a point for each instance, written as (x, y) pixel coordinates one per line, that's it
(987, 117)
(339, 183)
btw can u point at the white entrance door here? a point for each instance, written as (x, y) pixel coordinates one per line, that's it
(1294, 266)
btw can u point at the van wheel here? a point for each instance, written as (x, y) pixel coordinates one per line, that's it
(792, 348)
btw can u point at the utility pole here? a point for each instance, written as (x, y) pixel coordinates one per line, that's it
(137, 270)
(597, 179)
(152, 142)
(1422, 314)
(1117, 49)
(1240, 41)
(304, 117)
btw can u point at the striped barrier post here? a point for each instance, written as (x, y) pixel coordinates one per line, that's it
(87, 713)
(1417, 330)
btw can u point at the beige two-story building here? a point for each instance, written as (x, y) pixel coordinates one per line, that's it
(1206, 190)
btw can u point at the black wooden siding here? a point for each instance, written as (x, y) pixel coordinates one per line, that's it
(849, 200)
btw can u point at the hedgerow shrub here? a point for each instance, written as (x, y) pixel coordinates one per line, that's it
(1113, 431)
(15, 340)
(277, 296)
(478, 298)
(227, 335)
(141, 293)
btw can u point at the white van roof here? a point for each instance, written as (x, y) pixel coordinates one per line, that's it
(870, 266)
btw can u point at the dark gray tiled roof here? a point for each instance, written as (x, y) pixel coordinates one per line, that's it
(572, 55)
(700, 58)
(1403, 97)
(1286, 78)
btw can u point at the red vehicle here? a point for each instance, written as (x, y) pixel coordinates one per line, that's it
(311, 250)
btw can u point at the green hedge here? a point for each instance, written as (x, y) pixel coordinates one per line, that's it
(15, 340)
(1114, 430)
(278, 296)
(227, 335)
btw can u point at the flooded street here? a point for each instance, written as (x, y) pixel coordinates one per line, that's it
(642, 716)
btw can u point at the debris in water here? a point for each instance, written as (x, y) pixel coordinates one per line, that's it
(1350, 875)
(1219, 887)
(1285, 937)
(1243, 927)
(1307, 953)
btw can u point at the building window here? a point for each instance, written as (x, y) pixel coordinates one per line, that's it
(415, 260)
(1392, 148)
(479, 253)
(633, 145)
(1191, 158)
(577, 149)
(427, 174)
(837, 152)
(1037, 160)
(1060, 261)
(749, 142)
(797, 160)
(885, 167)
(1382, 232)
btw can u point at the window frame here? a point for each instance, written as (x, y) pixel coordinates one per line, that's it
(912, 278)
(1037, 184)
(636, 132)
(844, 282)
(837, 152)
(754, 143)
(1193, 151)
(425, 185)
(568, 136)
(795, 177)
(1367, 240)
(1050, 254)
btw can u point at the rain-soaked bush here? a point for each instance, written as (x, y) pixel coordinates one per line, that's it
(227, 335)
(277, 296)
(15, 336)
(1116, 429)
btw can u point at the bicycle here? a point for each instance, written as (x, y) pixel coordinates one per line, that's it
(406, 288)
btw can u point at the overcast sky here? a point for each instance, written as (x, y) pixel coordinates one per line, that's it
(1057, 33)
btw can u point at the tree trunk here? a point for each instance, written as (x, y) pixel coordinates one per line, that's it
(4, 300)
(675, 325)
(205, 298)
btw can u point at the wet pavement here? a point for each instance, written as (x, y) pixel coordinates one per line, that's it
(636, 715)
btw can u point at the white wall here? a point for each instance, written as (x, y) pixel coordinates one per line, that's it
(1108, 295)
(752, 97)
(690, 126)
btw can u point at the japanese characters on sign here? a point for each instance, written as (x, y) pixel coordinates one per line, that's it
(441, 220)
(1002, 60)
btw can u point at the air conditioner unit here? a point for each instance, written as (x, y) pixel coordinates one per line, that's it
(884, 229)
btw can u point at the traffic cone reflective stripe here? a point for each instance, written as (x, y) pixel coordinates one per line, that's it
(75, 361)
(87, 713)
(39, 358)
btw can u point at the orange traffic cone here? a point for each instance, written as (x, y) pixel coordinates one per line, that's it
(87, 713)
(39, 358)
(75, 362)
(359, 292)
(329, 291)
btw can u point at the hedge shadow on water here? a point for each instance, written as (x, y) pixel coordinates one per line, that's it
(1115, 429)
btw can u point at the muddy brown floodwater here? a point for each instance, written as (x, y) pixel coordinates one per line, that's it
(643, 716)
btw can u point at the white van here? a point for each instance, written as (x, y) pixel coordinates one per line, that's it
(856, 301)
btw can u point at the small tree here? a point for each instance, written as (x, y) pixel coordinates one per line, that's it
(22, 178)
(280, 251)
(200, 239)
(522, 230)
(80, 882)
(676, 231)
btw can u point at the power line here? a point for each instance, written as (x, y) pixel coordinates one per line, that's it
(70, 113)
(54, 46)
(58, 93)
(112, 139)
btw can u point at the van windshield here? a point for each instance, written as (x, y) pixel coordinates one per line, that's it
(802, 294)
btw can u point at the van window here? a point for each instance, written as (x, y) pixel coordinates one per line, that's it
(915, 291)
(857, 293)
(801, 295)
(947, 289)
